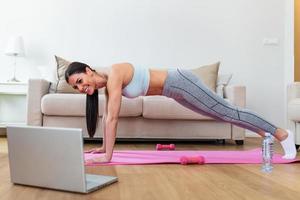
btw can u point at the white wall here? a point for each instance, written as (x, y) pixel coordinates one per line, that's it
(156, 33)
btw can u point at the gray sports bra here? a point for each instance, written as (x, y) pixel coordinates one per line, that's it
(139, 84)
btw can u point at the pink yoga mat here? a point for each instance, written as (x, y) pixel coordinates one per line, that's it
(168, 157)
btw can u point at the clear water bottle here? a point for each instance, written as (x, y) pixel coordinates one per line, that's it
(267, 153)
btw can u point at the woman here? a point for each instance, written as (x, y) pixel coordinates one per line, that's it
(181, 85)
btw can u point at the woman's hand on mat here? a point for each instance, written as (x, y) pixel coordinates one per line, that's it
(96, 150)
(98, 159)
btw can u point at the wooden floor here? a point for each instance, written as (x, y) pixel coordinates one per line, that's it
(211, 181)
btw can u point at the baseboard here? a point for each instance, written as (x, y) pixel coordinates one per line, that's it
(247, 133)
(2, 131)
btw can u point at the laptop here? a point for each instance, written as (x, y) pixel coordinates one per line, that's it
(51, 158)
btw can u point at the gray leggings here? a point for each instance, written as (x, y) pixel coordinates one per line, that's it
(188, 90)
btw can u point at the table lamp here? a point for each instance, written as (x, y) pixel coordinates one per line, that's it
(15, 48)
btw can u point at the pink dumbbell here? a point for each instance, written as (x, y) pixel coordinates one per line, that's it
(165, 147)
(184, 160)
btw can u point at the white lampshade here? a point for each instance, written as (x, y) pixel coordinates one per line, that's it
(15, 47)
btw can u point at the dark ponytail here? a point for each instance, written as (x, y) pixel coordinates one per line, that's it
(92, 113)
(91, 100)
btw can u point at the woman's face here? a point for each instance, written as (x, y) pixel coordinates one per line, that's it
(83, 82)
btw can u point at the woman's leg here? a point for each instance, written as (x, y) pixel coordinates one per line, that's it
(188, 90)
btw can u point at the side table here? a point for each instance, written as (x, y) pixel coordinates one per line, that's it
(12, 104)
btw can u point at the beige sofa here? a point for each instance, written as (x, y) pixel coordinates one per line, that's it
(293, 110)
(150, 117)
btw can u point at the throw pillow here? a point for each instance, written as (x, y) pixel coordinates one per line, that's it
(61, 85)
(208, 74)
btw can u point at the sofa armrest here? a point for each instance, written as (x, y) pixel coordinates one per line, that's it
(293, 91)
(236, 94)
(37, 88)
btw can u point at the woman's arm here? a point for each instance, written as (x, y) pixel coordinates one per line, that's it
(103, 148)
(114, 88)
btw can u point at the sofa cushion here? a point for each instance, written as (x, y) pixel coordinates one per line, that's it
(74, 105)
(161, 107)
(294, 109)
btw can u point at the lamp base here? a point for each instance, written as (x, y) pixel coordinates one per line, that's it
(13, 80)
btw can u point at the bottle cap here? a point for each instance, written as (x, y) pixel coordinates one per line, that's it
(267, 134)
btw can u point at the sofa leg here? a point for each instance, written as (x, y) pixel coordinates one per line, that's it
(220, 141)
(239, 142)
